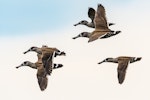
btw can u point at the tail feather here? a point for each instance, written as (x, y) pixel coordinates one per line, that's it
(110, 24)
(57, 66)
(110, 34)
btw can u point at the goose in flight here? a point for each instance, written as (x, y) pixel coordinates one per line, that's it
(41, 73)
(101, 28)
(47, 54)
(123, 62)
(91, 15)
(44, 49)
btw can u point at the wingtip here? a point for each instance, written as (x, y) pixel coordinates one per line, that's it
(120, 83)
(42, 89)
(100, 5)
(90, 8)
(89, 41)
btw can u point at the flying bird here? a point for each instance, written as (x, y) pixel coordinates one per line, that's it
(91, 15)
(41, 73)
(44, 65)
(123, 62)
(44, 49)
(101, 27)
(47, 55)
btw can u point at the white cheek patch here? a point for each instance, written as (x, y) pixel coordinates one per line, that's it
(135, 58)
(58, 53)
(80, 35)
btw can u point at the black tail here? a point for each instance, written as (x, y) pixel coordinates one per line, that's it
(57, 66)
(110, 34)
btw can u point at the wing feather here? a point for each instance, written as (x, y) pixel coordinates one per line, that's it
(100, 18)
(47, 60)
(122, 67)
(96, 35)
(91, 14)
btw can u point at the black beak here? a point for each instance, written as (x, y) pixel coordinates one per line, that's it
(26, 51)
(101, 62)
(18, 66)
(76, 24)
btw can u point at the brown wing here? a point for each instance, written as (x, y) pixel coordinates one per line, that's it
(47, 60)
(122, 67)
(100, 18)
(42, 81)
(91, 14)
(96, 35)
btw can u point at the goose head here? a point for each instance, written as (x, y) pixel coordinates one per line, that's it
(107, 60)
(32, 49)
(83, 22)
(26, 63)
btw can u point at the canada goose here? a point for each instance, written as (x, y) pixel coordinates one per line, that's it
(123, 62)
(101, 27)
(41, 73)
(91, 15)
(46, 49)
(47, 54)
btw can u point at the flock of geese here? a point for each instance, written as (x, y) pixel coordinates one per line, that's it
(45, 64)
(45, 54)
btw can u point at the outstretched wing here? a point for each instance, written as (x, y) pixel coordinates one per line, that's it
(47, 60)
(96, 35)
(91, 14)
(122, 67)
(100, 18)
(42, 81)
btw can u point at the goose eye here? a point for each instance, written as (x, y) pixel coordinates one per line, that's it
(82, 22)
(25, 63)
(32, 48)
(106, 59)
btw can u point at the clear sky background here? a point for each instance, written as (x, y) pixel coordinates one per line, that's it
(29, 23)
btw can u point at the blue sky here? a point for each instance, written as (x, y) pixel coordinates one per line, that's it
(27, 16)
